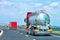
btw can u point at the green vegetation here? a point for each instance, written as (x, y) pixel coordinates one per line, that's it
(4, 27)
(8, 27)
(56, 32)
(21, 27)
(55, 28)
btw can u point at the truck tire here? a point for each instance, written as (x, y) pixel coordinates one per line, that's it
(33, 33)
(27, 33)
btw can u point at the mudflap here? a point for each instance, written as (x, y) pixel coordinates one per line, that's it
(27, 33)
(27, 30)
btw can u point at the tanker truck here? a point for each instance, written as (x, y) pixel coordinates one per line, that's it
(38, 23)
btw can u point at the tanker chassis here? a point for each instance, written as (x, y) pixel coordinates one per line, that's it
(38, 23)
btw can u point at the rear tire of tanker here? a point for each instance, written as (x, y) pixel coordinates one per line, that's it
(33, 33)
(27, 33)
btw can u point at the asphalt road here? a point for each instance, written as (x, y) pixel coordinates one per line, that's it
(21, 35)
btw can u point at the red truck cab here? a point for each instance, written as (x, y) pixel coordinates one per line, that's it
(13, 25)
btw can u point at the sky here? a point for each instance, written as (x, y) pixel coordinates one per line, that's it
(16, 10)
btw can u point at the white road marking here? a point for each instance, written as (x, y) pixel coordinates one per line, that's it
(14, 31)
(21, 33)
(34, 39)
(1, 32)
(55, 36)
(26, 35)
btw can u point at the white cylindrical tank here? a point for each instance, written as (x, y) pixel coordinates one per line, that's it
(39, 19)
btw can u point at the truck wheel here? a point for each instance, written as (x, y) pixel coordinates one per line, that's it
(33, 33)
(27, 32)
